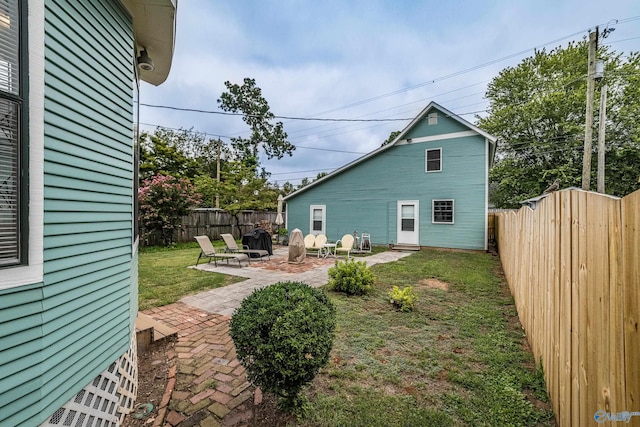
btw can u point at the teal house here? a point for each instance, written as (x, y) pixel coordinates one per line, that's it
(69, 76)
(426, 188)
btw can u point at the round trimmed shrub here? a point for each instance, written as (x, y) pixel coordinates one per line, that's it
(283, 335)
(351, 277)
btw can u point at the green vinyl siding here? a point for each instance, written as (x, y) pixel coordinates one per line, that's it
(364, 196)
(444, 126)
(88, 193)
(21, 342)
(57, 336)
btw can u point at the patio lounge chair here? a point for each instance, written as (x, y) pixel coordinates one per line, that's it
(345, 244)
(207, 251)
(232, 247)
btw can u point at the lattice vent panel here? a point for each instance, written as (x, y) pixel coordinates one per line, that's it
(105, 401)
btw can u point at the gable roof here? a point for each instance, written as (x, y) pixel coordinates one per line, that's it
(401, 137)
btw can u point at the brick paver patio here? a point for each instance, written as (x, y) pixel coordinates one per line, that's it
(209, 382)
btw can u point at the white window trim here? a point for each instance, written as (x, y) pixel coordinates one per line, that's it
(453, 211)
(33, 272)
(324, 219)
(426, 160)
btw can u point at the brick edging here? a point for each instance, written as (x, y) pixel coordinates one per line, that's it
(166, 397)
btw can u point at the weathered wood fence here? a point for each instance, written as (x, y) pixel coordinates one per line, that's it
(573, 266)
(213, 222)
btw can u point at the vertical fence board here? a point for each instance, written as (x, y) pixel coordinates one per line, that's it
(616, 305)
(576, 368)
(573, 268)
(565, 309)
(631, 264)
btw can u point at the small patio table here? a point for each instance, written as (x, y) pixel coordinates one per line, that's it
(328, 249)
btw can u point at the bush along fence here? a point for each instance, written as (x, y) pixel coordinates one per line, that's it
(573, 268)
(213, 222)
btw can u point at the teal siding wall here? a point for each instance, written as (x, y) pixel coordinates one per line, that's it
(58, 335)
(20, 353)
(445, 125)
(364, 197)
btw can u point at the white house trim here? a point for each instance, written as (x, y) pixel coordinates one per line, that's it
(33, 272)
(486, 196)
(452, 135)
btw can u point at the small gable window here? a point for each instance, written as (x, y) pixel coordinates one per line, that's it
(442, 211)
(433, 160)
(432, 119)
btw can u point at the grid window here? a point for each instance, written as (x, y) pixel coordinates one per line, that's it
(443, 211)
(433, 160)
(11, 149)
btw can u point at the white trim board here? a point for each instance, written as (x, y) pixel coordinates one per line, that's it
(431, 138)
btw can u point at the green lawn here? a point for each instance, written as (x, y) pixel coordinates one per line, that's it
(163, 277)
(460, 358)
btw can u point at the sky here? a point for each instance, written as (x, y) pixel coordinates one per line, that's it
(359, 59)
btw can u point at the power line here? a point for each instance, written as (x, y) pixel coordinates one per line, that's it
(225, 113)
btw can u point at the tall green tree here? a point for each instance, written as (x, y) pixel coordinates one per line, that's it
(248, 100)
(169, 152)
(537, 111)
(240, 189)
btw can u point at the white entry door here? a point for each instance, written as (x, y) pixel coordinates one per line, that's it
(408, 224)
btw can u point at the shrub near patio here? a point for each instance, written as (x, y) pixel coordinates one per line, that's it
(283, 335)
(351, 277)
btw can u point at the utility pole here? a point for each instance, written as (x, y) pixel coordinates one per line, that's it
(601, 138)
(588, 129)
(218, 144)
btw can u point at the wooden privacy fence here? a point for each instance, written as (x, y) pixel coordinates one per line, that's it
(213, 222)
(573, 266)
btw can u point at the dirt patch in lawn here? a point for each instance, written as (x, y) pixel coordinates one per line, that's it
(434, 284)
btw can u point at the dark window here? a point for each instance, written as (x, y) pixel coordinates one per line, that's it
(408, 224)
(434, 160)
(13, 144)
(443, 211)
(317, 220)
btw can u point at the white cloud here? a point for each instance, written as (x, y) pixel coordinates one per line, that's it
(313, 57)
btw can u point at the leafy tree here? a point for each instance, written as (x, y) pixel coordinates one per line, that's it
(248, 100)
(537, 110)
(240, 189)
(303, 183)
(287, 188)
(163, 201)
(391, 137)
(169, 152)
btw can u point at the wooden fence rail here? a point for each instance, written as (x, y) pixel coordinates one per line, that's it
(573, 266)
(213, 222)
